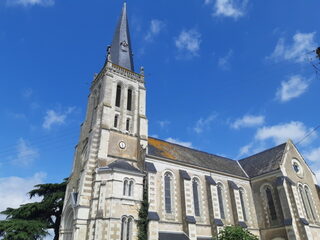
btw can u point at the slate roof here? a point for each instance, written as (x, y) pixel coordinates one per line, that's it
(163, 149)
(122, 165)
(121, 49)
(263, 162)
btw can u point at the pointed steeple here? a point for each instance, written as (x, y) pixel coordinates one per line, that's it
(121, 51)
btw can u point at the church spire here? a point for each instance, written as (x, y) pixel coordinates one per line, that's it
(121, 51)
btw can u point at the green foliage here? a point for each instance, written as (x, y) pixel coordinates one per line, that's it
(143, 216)
(235, 233)
(31, 221)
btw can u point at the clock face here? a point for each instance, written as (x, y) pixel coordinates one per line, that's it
(122, 145)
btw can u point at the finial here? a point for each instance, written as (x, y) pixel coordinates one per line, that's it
(142, 70)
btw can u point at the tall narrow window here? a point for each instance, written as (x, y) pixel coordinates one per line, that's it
(129, 100)
(124, 228)
(168, 192)
(118, 96)
(241, 192)
(196, 200)
(125, 187)
(116, 118)
(221, 203)
(130, 188)
(310, 203)
(129, 228)
(271, 205)
(128, 124)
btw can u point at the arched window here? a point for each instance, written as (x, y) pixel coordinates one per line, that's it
(116, 120)
(243, 207)
(221, 200)
(196, 200)
(271, 206)
(130, 193)
(118, 96)
(128, 124)
(310, 202)
(168, 192)
(129, 100)
(126, 228)
(125, 187)
(129, 228)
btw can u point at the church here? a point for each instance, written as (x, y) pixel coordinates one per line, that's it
(192, 195)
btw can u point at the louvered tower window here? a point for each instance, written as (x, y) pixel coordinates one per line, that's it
(118, 96)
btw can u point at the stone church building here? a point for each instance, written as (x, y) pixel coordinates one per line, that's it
(192, 194)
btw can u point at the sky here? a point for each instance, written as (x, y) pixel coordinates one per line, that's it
(229, 77)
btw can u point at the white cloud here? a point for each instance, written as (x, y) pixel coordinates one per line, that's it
(224, 62)
(301, 45)
(54, 118)
(156, 26)
(177, 141)
(244, 150)
(229, 8)
(14, 190)
(313, 155)
(282, 132)
(203, 123)
(248, 121)
(26, 3)
(189, 41)
(292, 88)
(25, 153)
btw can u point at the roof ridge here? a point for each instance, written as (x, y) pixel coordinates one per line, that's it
(263, 151)
(194, 149)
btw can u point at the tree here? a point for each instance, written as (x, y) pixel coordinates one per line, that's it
(235, 233)
(32, 220)
(143, 215)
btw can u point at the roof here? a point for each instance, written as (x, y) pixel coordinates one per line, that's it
(121, 49)
(121, 165)
(163, 149)
(263, 162)
(172, 236)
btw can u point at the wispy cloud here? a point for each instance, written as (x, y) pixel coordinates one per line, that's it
(156, 26)
(54, 118)
(177, 141)
(313, 155)
(14, 190)
(302, 43)
(293, 88)
(164, 123)
(248, 121)
(27, 93)
(28, 3)
(224, 62)
(282, 132)
(204, 123)
(25, 155)
(188, 42)
(228, 8)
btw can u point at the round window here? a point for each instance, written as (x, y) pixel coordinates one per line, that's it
(297, 167)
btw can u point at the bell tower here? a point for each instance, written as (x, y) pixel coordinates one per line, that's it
(106, 184)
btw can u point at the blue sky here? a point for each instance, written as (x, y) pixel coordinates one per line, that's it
(228, 77)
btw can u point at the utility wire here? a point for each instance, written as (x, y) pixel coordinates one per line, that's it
(308, 134)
